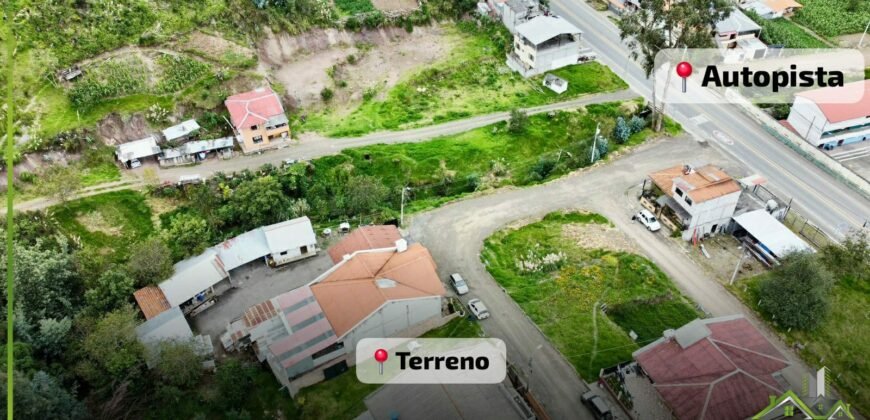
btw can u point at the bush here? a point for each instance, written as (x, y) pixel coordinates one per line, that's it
(326, 94)
(636, 124)
(621, 131)
(518, 122)
(796, 295)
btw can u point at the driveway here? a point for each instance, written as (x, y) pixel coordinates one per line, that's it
(455, 234)
(257, 283)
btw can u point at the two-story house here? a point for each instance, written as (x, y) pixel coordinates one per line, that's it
(543, 44)
(259, 120)
(739, 38)
(700, 200)
(825, 120)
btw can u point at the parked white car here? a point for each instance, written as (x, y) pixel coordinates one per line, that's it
(478, 308)
(647, 219)
(135, 163)
(458, 284)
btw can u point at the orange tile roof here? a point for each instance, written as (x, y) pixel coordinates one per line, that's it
(151, 300)
(702, 184)
(351, 292)
(781, 5)
(364, 238)
(259, 313)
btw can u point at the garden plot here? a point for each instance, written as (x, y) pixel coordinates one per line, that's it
(348, 63)
(586, 300)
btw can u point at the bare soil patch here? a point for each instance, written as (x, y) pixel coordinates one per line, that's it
(372, 60)
(213, 47)
(114, 130)
(395, 5)
(95, 222)
(590, 235)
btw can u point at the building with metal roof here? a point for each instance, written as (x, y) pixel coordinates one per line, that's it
(184, 130)
(147, 147)
(769, 235)
(170, 326)
(544, 43)
(824, 119)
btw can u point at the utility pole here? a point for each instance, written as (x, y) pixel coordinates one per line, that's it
(594, 143)
(861, 42)
(402, 211)
(737, 268)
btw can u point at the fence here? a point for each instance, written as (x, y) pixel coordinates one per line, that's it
(807, 230)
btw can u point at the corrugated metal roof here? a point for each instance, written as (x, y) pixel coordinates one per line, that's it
(192, 276)
(291, 234)
(736, 22)
(543, 28)
(242, 249)
(772, 234)
(169, 325)
(180, 130)
(137, 149)
(830, 101)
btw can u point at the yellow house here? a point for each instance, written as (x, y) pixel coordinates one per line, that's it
(259, 120)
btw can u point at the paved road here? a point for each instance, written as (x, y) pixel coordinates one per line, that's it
(817, 195)
(455, 233)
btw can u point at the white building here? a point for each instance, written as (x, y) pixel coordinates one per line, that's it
(516, 12)
(738, 37)
(310, 333)
(543, 44)
(702, 200)
(290, 241)
(171, 326)
(182, 131)
(135, 150)
(818, 117)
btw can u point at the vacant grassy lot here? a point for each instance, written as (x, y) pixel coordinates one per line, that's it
(108, 223)
(473, 80)
(562, 287)
(838, 343)
(834, 17)
(783, 32)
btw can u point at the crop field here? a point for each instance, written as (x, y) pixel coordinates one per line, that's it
(472, 80)
(783, 32)
(563, 288)
(831, 18)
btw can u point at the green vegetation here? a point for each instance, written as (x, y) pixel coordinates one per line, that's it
(178, 72)
(781, 31)
(108, 222)
(839, 341)
(834, 17)
(563, 287)
(353, 7)
(367, 182)
(473, 80)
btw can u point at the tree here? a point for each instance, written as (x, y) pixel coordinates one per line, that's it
(258, 202)
(796, 295)
(234, 379)
(621, 132)
(59, 182)
(187, 234)
(52, 338)
(111, 291)
(518, 122)
(150, 261)
(42, 397)
(178, 364)
(112, 351)
(364, 194)
(46, 283)
(851, 259)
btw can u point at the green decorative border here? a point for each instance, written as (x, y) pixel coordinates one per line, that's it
(10, 196)
(790, 396)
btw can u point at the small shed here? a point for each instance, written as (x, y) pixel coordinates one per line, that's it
(194, 280)
(138, 149)
(555, 83)
(185, 130)
(769, 235)
(291, 240)
(171, 325)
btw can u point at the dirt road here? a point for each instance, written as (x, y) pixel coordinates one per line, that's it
(455, 234)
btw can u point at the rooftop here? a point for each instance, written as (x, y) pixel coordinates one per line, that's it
(254, 107)
(772, 234)
(290, 234)
(151, 300)
(829, 101)
(736, 22)
(781, 5)
(700, 184)
(543, 28)
(180, 130)
(137, 149)
(717, 368)
(192, 276)
(365, 238)
(358, 286)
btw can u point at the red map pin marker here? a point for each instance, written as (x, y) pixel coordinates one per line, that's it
(684, 70)
(381, 357)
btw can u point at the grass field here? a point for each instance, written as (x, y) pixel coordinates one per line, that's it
(108, 222)
(834, 17)
(473, 80)
(838, 343)
(562, 286)
(783, 32)
(445, 168)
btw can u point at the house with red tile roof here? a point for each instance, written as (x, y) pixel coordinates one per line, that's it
(309, 333)
(717, 368)
(363, 238)
(700, 200)
(824, 119)
(259, 120)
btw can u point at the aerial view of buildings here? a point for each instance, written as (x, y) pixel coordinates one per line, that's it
(212, 207)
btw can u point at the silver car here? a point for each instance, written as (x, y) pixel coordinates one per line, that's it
(478, 308)
(458, 284)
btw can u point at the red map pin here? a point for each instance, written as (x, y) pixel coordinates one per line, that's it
(381, 357)
(684, 70)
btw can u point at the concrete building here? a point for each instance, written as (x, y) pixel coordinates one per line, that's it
(171, 326)
(771, 9)
(516, 12)
(700, 201)
(259, 120)
(183, 131)
(195, 151)
(543, 44)
(310, 333)
(821, 120)
(130, 153)
(717, 368)
(738, 37)
(198, 280)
